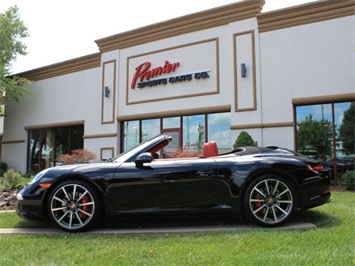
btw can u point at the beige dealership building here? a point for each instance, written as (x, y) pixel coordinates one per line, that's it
(201, 77)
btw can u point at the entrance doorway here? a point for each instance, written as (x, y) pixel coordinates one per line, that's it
(175, 144)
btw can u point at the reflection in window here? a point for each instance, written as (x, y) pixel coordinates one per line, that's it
(76, 137)
(193, 133)
(131, 134)
(171, 122)
(45, 145)
(219, 130)
(150, 128)
(327, 132)
(345, 122)
(40, 150)
(62, 137)
(314, 131)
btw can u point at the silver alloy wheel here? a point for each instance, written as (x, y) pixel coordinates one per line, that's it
(72, 207)
(270, 201)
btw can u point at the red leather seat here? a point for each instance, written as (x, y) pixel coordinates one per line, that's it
(210, 149)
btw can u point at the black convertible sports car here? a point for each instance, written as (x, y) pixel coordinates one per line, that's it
(265, 185)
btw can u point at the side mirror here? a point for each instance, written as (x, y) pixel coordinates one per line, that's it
(143, 158)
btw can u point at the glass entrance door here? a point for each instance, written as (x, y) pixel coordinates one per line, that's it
(175, 145)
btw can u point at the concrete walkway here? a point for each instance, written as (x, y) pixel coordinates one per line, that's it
(171, 230)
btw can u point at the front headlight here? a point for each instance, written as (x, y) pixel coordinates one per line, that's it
(19, 196)
(38, 176)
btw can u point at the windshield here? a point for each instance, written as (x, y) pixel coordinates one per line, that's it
(131, 154)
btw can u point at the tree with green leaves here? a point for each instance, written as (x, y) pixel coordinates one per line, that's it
(201, 136)
(347, 130)
(12, 30)
(243, 139)
(314, 135)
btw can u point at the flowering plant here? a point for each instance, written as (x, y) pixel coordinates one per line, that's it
(180, 153)
(76, 156)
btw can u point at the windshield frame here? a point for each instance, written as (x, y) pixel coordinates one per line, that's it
(131, 154)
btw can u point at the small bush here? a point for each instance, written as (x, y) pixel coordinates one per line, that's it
(349, 179)
(180, 153)
(12, 178)
(243, 139)
(77, 156)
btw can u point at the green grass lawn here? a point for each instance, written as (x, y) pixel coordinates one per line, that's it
(332, 243)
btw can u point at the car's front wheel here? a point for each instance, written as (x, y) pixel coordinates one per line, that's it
(74, 206)
(269, 200)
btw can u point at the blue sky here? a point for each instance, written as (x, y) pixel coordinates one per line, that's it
(323, 110)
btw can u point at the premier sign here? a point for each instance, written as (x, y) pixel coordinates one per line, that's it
(145, 76)
(189, 70)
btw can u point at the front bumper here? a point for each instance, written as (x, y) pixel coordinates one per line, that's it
(30, 209)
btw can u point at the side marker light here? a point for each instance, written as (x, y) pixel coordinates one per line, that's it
(45, 185)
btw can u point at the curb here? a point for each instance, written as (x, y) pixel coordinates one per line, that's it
(171, 230)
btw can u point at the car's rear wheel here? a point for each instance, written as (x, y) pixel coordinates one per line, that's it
(74, 206)
(269, 200)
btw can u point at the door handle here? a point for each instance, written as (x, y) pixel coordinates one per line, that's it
(204, 172)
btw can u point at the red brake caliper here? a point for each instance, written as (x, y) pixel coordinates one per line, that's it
(257, 204)
(85, 208)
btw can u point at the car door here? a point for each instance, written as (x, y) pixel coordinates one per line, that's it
(191, 183)
(166, 185)
(135, 189)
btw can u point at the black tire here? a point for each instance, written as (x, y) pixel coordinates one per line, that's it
(269, 201)
(74, 206)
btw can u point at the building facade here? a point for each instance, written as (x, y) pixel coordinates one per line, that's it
(201, 77)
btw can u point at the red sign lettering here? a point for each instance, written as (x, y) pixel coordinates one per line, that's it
(143, 71)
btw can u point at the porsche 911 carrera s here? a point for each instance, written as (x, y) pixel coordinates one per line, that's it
(263, 184)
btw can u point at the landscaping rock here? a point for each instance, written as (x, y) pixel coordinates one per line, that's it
(7, 199)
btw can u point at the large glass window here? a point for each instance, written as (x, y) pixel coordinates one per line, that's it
(327, 132)
(131, 134)
(62, 140)
(189, 133)
(76, 134)
(314, 130)
(219, 130)
(41, 149)
(194, 132)
(150, 128)
(45, 145)
(171, 122)
(172, 127)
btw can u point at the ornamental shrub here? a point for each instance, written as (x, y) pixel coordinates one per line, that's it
(349, 179)
(12, 178)
(180, 153)
(77, 156)
(244, 139)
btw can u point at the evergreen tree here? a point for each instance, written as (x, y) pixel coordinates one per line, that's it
(347, 130)
(314, 135)
(243, 139)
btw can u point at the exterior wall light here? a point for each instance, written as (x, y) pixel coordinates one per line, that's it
(107, 91)
(243, 70)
